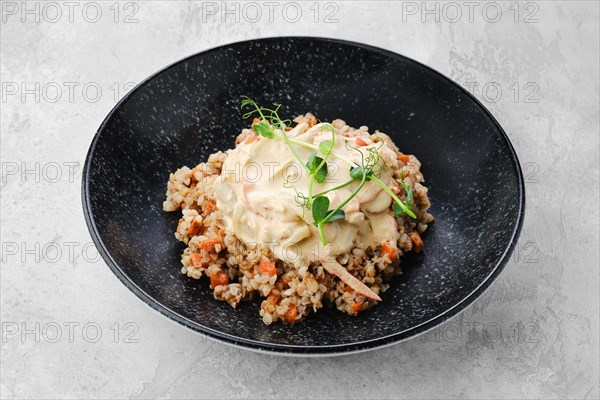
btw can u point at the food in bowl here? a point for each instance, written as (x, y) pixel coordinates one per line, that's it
(318, 213)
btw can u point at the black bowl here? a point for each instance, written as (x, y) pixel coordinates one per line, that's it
(190, 109)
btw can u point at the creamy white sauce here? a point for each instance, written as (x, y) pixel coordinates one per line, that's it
(260, 208)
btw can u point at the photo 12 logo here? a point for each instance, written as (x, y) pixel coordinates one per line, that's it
(63, 92)
(486, 332)
(69, 332)
(493, 92)
(69, 11)
(469, 11)
(270, 11)
(49, 252)
(36, 172)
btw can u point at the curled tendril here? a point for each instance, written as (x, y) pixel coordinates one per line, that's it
(300, 198)
(372, 159)
(362, 156)
(371, 164)
(249, 114)
(270, 115)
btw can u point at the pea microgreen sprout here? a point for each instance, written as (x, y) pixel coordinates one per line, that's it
(397, 201)
(316, 165)
(269, 121)
(321, 215)
(271, 124)
(269, 133)
(398, 211)
(399, 206)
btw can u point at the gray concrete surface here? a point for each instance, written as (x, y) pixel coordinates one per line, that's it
(70, 329)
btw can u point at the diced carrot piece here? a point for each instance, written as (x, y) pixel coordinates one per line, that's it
(291, 314)
(348, 289)
(417, 242)
(360, 142)
(220, 278)
(251, 138)
(194, 228)
(390, 250)
(197, 168)
(210, 207)
(196, 260)
(209, 244)
(255, 121)
(273, 298)
(405, 158)
(267, 267)
(357, 307)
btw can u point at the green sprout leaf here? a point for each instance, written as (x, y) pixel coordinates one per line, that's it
(313, 164)
(326, 146)
(321, 174)
(409, 193)
(398, 211)
(320, 206)
(356, 173)
(408, 190)
(264, 129)
(339, 214)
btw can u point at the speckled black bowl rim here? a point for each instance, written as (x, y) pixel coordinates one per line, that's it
(299, 349)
